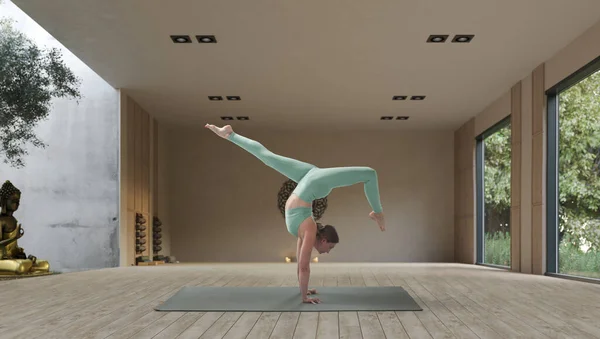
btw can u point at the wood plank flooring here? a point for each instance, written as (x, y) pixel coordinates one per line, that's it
(458, 301)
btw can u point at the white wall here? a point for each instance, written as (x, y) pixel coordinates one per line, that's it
(577, 54)
(69, 205)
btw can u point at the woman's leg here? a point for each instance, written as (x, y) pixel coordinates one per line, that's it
(347, 176)
(291, 168)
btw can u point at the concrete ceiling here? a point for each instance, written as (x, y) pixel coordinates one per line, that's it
(299, 64)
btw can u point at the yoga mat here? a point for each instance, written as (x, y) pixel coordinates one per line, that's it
(287, 299)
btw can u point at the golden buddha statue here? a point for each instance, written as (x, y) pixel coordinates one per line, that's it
(12, 257)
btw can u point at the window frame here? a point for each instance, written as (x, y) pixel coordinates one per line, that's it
(552, 175)
(480, 190)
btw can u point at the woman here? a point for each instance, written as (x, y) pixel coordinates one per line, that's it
(313, 183)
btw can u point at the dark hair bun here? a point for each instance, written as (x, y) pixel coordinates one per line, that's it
(319, 206)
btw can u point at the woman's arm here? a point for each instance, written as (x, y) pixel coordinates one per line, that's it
(298, 246)
(304, 266)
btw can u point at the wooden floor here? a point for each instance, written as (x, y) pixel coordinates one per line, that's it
(461, 301)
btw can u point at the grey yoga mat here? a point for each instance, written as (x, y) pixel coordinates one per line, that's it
(287, 299)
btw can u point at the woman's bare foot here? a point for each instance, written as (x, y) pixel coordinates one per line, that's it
(223, 132)
(378, 217)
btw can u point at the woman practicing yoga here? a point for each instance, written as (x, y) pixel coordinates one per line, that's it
(313, 183)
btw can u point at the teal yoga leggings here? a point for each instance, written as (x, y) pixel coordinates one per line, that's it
(313, 182)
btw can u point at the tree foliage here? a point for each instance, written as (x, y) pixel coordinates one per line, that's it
(579, 162)
(497, 155)
(30, 77)
(578, 165)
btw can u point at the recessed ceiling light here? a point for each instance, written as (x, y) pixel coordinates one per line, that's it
(417, 97)
(181, 39)
(226, 118)
(462, 38)
(437, 38)
(206, 39)
(234, 98)
(387, 118)
(399, 97)
(243, 118)
(402, 118)
(215, 97)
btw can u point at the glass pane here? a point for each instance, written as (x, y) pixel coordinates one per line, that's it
(496, 172)
(578, 179)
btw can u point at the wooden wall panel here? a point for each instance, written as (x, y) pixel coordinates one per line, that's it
(464, 227)
(538, 173)
(459, 193)
(526, 160)
(149, 178)
(470, 243)
(516, 114)
(469, 186)
(538, 100)
(528, 179)
(515, 238)
(538, 243)
(537, 170)
(130, 250)
(138, 176)
(155, 166)
(145, 166)
(138, 159)
(515, 177)
(130, 135)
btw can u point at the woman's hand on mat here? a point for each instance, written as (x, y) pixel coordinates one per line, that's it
(311, 291)
(311, 300)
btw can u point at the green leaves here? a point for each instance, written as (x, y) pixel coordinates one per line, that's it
(497, 164)
(29, 79)
(578, 164)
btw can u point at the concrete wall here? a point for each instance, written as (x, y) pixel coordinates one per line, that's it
(70, 190)
(222, 201)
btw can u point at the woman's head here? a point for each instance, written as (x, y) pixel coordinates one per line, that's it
(327, 238)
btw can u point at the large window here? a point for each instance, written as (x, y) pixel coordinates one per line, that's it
(573, 218)
(493, 164)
